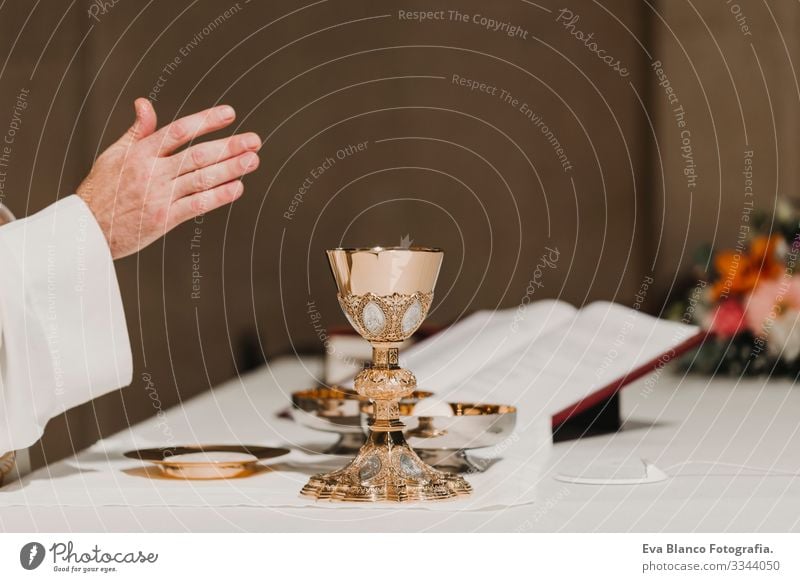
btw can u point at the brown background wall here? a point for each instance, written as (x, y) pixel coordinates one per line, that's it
(444, 165)
(740, 93)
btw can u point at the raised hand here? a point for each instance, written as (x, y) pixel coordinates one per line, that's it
(139, 188)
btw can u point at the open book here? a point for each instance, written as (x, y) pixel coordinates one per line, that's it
(547, 357)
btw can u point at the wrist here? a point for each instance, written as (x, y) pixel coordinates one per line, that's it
(86, 193)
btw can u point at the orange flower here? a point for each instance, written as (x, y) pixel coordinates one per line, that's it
(740, 272)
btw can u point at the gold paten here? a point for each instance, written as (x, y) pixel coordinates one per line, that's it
(386, 294)
(338, 410)
(176, 461)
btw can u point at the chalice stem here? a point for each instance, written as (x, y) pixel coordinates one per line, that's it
(386, 416)
(386, 400)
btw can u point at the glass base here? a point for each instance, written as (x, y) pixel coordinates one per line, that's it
(386, 469)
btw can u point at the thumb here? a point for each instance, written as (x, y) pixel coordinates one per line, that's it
(144, 125)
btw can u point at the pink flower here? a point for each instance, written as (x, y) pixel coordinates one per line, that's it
(783, 337)
(727, 319)
(769, 300)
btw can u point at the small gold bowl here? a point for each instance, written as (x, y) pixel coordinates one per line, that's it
(337, 409)
(208, 461)
(444, 441)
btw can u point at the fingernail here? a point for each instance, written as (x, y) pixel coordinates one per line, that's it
(252, 142)
(237, 190)
(249, 161)
(226, 112)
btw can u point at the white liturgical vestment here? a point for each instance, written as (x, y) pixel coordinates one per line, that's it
(62, 326)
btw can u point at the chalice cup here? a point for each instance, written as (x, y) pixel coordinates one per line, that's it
(385, 294)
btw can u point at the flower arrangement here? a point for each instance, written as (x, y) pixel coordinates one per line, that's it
(748, 299)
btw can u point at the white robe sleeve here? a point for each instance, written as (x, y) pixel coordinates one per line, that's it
(64, 338)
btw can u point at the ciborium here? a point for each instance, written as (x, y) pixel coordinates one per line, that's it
(385, 294)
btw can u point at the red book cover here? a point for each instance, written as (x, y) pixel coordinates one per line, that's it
(609, 390)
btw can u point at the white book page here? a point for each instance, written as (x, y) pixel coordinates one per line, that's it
(602, 344)
(449, 358)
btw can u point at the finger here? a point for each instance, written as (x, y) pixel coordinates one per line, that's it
(180, 132)
(189, 207)
(144, 125)
(204, 154)
(210, 176)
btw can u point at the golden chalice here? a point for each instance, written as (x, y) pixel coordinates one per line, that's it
(386, 294)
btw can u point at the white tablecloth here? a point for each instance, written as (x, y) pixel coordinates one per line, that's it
(750, 433)
(248, 411)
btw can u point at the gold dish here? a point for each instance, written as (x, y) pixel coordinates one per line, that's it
(208, 461)
(338, 410)
(444, 441)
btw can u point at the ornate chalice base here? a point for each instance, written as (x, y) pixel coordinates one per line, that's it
(386, 469)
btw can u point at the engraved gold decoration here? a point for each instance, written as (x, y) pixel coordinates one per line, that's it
(395, 327)
(339, 410)
(386, 294)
